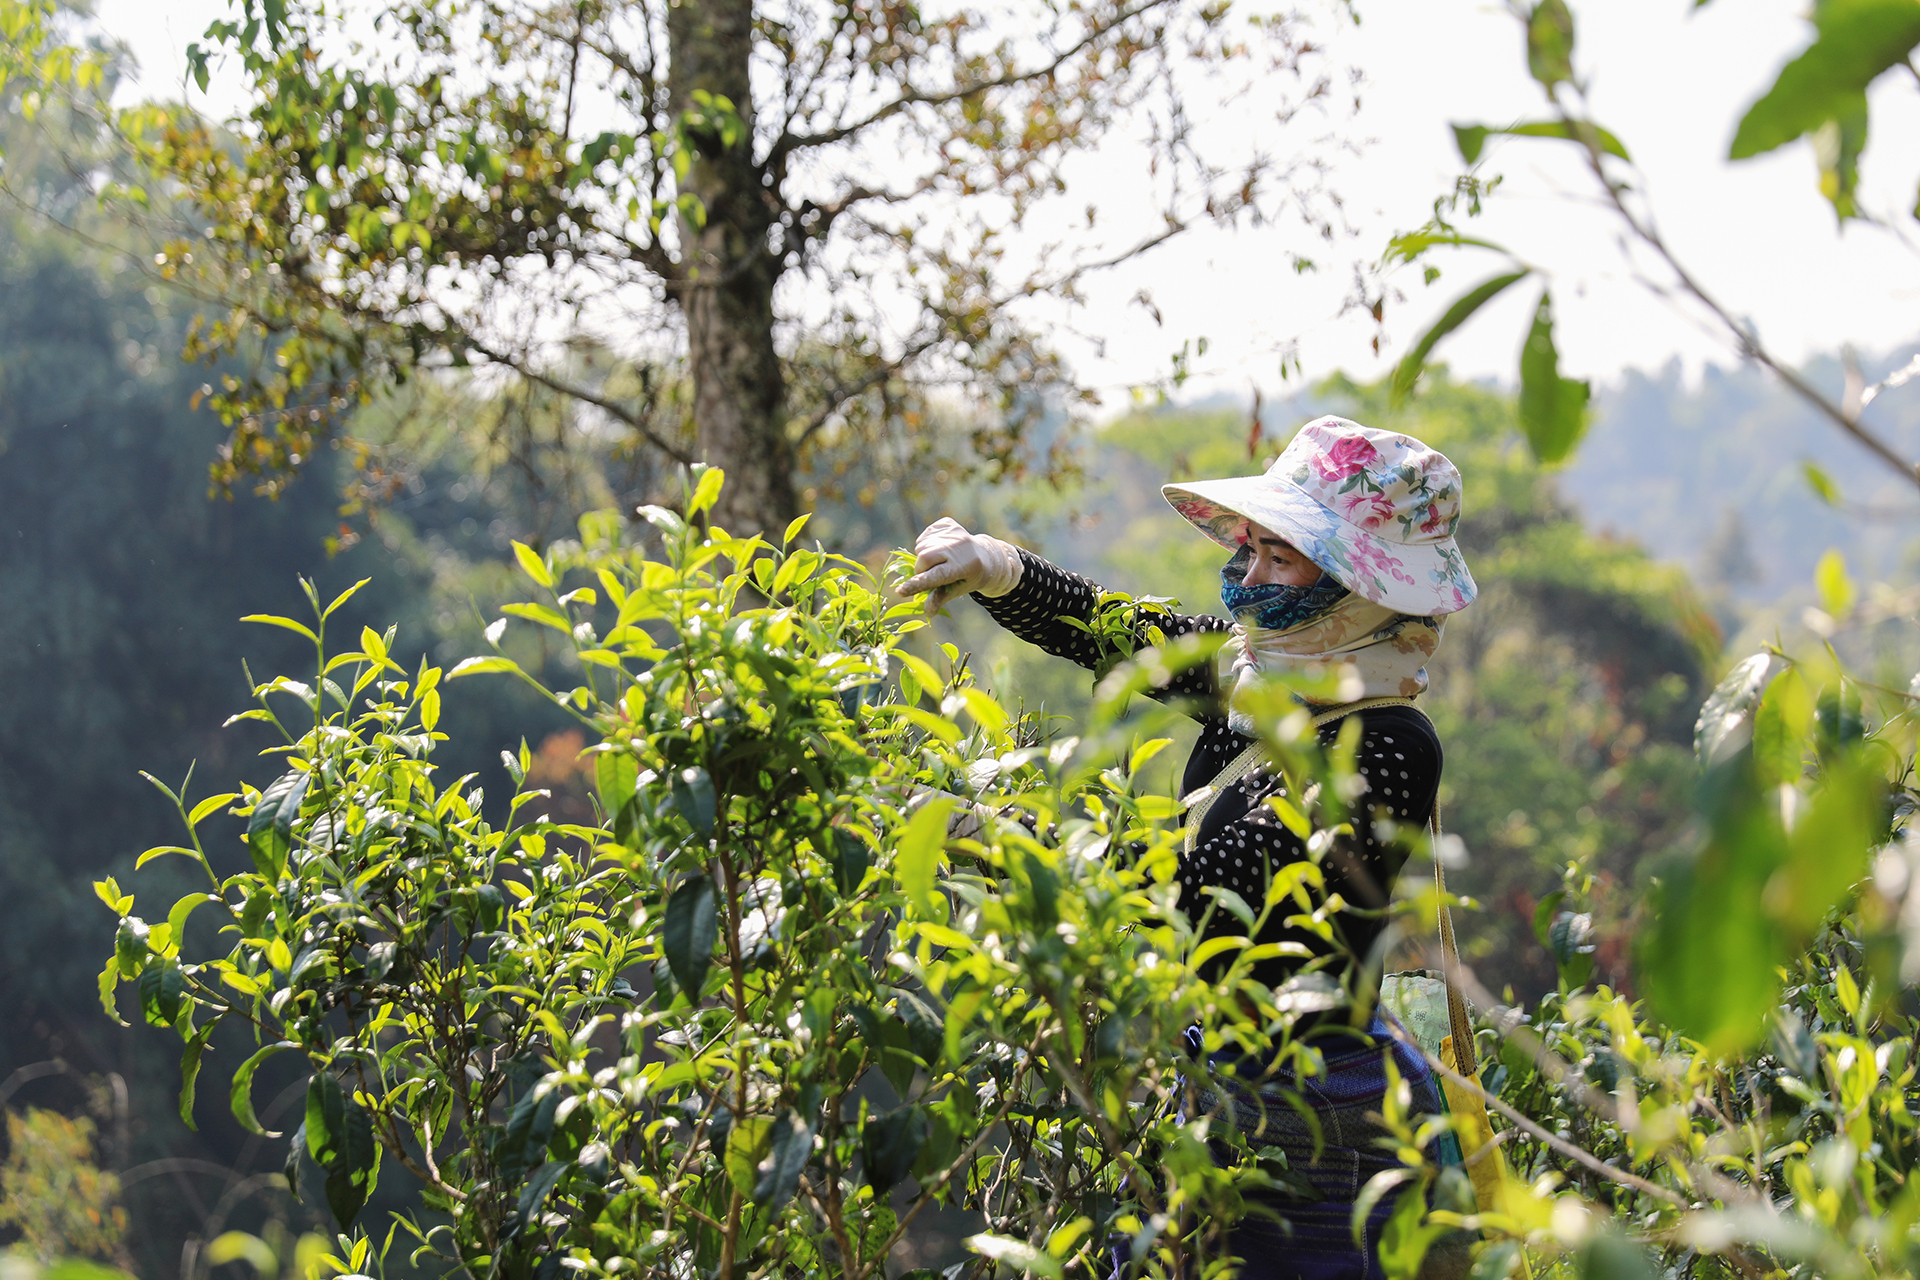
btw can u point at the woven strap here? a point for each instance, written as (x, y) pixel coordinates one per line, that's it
(1250, 759)
(1463, 1056)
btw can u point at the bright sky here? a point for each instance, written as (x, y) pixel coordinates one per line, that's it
(1670, 80)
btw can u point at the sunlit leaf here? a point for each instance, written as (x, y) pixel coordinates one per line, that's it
(1471, 139)
(1017, 1255)
(240, 1092)
(532, 565)
(482, 666)
(1856, 41)
(1725, 724)
(1407, 372)
(918, 856)
(1553, 409)
(1821, 483)
(1835, 585)
(1550, 43)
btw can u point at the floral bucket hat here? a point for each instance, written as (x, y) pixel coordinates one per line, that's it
(1376, 509)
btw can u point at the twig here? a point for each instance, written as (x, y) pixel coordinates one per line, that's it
(1565, 1148)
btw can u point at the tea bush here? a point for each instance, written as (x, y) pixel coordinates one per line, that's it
(768, 1010)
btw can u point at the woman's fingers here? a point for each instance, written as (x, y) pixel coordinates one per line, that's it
(946, 558)
(937, 574)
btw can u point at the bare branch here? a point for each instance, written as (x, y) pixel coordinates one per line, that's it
(573, 391)
(914, 98)
(1746, 341)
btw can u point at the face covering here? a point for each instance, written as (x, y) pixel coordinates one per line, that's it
(1386, 651)
(1275, 606)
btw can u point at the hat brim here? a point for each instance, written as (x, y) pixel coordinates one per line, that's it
(1427, 579)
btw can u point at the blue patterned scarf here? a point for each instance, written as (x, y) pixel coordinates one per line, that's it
(1275, 606)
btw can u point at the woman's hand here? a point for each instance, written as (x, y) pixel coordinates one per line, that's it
(948, 561)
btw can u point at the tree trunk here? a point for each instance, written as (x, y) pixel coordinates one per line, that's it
(728, 274)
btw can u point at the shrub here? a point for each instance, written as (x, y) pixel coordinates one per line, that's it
(768, 1010)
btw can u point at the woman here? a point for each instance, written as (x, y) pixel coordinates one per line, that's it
(1343, 552)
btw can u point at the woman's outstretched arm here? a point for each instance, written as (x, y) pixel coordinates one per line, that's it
(1046, 594)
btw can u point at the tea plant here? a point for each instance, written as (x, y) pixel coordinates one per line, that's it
(768, 1010)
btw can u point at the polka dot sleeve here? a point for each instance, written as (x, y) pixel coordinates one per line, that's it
(1242, 842)
(1047, 593)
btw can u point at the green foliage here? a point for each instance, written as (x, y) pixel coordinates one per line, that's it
(1856, 41)
(722, 1025)
(52, 1193)
(1553, 409)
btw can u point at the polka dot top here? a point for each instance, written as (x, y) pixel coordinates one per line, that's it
(1241, 840)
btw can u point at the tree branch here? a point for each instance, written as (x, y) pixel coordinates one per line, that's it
(912, 98)
(1745, 340)
(579, 393)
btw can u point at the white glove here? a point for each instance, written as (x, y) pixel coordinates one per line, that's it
(948, 561)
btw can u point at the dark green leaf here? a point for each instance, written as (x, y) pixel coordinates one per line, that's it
(1611, 1256)
(161, 988)
(130, 946)
(1840, 718)
(253, 916)
(1857, 40)
(326, 1122)
(790, 1148)
(291, 1167)
(1472, 138)
(850, 861)
(534, 1194)
(350, 1179)
(240, 1093)
(1043, 891)
(190, 1070)
(1570, 935)
(926, 1028)
(1407, 372)
(1553, 409)
(529, 1129)
(688, 932)
(1550, 43)
(270, 829)
(1571, 939)
(889, 1044)
(489, 908)
(693, 797)
(890, 1144)
(1543, 915)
